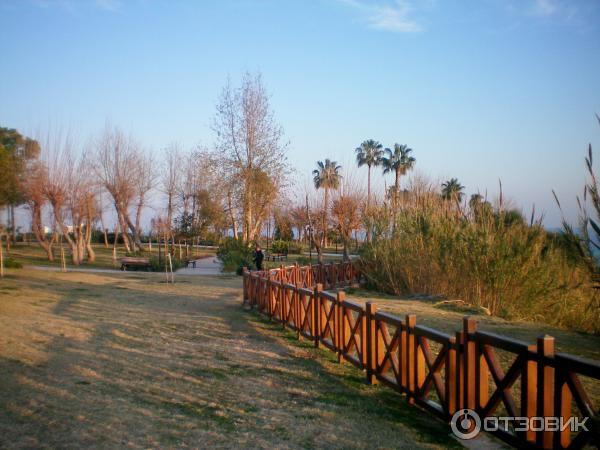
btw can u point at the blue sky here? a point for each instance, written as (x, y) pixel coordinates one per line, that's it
(481, 90)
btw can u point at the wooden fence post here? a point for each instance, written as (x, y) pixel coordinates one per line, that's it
(419, 365)
(411, 321)
(342, 330)
(562, 406)
(371, 343)
(529, 391)
(269, 297)
(244, 285)
(450, 380)
(460, 397)
(260, 288)
(545, 388)
(469, 372)
(298, 319)
(402, 356)
(482, 388)
(282, 300)
(316, 323)
(322, 277)
(363, 339)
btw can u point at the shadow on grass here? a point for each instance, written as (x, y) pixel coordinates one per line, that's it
(345, 388)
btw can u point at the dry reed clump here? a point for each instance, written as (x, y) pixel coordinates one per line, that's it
(483, 255)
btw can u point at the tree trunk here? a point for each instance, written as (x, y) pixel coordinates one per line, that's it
(123, 231)
(325, 211)
(368, 230)
(1, 258)
(134, 232)
(346, 256)
(115, 240)
(65, 232)
(38, 231)
(91, 255)
(138, 218)
(234, 223)
(319, 250)
(247, 221)
(369, 188)
(170, 212)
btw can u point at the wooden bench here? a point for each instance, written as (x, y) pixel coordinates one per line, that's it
(138, 263)
(276, 257)
(191, 262)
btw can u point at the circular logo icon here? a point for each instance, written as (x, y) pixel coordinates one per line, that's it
(465, 424)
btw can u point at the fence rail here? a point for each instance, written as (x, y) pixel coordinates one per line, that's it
(442, 373)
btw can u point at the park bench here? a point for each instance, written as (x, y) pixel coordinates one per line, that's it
(138, 263)
(276, 256)
(191, 262)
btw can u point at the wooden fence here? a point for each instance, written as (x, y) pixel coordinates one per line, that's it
(442, 373)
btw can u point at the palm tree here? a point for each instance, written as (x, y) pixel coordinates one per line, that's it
(327, 176)
(475, 201)
(369, 153)
(452, 190)
(398, 161)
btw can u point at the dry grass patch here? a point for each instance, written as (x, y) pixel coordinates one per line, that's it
(106, 360)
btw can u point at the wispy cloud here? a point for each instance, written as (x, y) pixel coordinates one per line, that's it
(65, 5)
(71, 6)
(545, 7)
(393, 16)
(561, 11)
(109, 5)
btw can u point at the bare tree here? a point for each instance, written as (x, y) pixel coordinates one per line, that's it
(70, 190)
(188, 182)
(170, 179)
(252, 143)
(346, 213)
(205, 174)
(56, 188)
(144, 182)
(36, 201)
(299, 218)
(117, 165)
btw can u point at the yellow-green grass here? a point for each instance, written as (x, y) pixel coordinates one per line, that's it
(106, 360)
(32, 254)
(447, 317)
(301, 259)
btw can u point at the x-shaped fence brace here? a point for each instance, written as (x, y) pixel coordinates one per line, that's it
(454, 376)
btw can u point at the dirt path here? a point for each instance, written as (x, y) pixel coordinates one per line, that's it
(204, 266)
(123, 360)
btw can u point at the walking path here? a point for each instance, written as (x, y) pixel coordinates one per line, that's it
(204, 266)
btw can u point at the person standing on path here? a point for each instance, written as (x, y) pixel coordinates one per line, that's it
(258, 258)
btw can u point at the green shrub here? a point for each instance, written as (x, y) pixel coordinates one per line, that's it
(279, 246)
(295, 249)
(10, 263)
(157, 266)
(303, 260)
(235, 255)
(498, 262)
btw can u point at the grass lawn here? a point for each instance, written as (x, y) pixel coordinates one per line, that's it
(31, 254)
(122, 359)
(448, 319)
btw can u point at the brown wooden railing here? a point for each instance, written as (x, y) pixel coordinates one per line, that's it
(442, 373)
